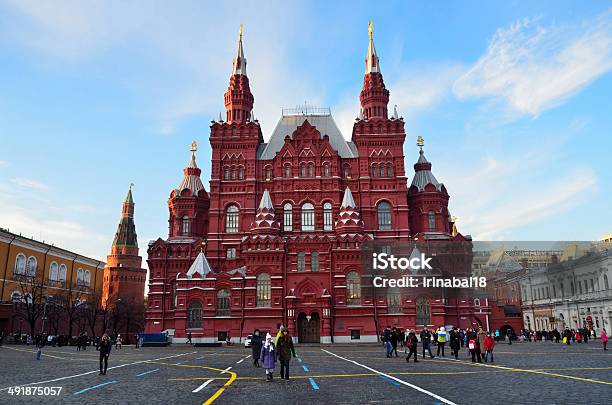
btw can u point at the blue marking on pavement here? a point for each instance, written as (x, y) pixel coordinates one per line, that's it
(390, 380)
(305, 368)
(94, 387)
(199, 358)
(181, 362)
(147, 372)
(313, 383)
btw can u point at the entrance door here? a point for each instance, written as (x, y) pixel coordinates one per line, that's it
(308, 330)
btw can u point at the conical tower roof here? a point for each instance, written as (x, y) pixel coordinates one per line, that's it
(349, 220)
(191, 180)
(265, 221)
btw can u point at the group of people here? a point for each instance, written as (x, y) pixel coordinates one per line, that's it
(568, 336)
(270, 350)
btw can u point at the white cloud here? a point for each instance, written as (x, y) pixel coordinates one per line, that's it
(30, 183)
(528, 68)
(3, 163)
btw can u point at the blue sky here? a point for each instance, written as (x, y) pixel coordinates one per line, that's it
(512, 98)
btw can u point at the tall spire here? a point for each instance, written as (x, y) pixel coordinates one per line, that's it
(372, 63)
(240, 61)
(238, 97)
(192, 172)
(126, 231)
(374, 95)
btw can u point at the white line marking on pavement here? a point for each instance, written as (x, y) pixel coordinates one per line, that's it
(424, 391)
(97, 370)
(201, 387)
(239, 361)
(248, 356)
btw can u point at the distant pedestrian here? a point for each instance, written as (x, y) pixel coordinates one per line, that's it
(455, 343)
(604, 339)
(256, 344)
(474, 347)
(426, 342)
(411, 345)
(268, 357)
(285, 351)
(118, 342)
(441, 340)
(105, 349)
(188, 338)
(137, 339)
(489, 344)
(394, 340)
(387, 341)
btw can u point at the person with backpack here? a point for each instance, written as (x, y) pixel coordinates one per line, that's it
(268, 357)
(441, 340)
(489, 344)
(474, 347)
(256, 344)
(426, 342)
(455, 343)
(411, 345)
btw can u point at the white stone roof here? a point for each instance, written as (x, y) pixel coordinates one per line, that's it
(266, 201)
(200, 266)
(348, 200)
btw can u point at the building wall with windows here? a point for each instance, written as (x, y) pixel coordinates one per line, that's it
(60, 270)
(283, 224)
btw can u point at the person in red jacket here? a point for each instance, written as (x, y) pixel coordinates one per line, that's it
(489, 344)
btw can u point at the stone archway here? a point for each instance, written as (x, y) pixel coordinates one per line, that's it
(309, 328)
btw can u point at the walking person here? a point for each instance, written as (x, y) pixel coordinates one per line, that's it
(426, 342)
(137, 338)
(455, 343)
(441, 340)
(256, 344)
(387, 341)
(188, 339)
(411, 345)
(118, 342)
(481, 337)
(39, 341)
(285, 351)
(79, 342)
(489, 344)
(394, 340)
(474, 347)
(268, 357)
(105, 349)
(604, 339)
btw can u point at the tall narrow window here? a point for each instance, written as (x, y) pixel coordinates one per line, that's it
(54, 272)
(80, 276)
(422, 312)
(233, 173)
(347, 172)
(303, 170)
(374, 170)
(310, 170)
(606, 282)
(263, 290)
(288, 217)
(394, 300)
(384, 216)
(389, 170)
(194, 319)
(241, 173)
(223, 303)
(326, 170)
(268, 173)
(308, 217)
(185, 226)
(226, 173)
(301, 261)
(287, 170)
(20, 264)
(314, 261)
(327, 217)
(32, 263)
(432, 220)
(353, 289)
(231, 219)
(87, 279)
(381, 170)
(62, 272)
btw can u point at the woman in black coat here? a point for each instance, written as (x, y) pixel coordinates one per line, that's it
(256, 344)
(105, 349)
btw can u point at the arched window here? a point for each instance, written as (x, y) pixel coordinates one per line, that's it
(185, 225)
(326, 170)
(20, 264)
(310, 170)
(288, 217)
(303, 170)
(263, 290)
(16, 296)
(384, 216)
(223, 303)
(241, 172)
(32, 266)
(87, 278)
(287, 170)
(268, 171)
(231, 219)
(62, 272)
(374, 170)
(394, 300)
(327, 217)
(347, 172)
(422, 311)
(432, 220)
(389, 170)
(606, 282)
(194, 319)
(233, 172)
(381, 170)
(314, 261)
(226, 173)
(301, 261)
(353, 289)
(54, 272)
(308, 217)
(80, 276)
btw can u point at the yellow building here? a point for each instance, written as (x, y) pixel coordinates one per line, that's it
(60, 271)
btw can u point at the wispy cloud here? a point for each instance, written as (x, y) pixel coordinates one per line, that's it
(30, 183)
(3, 163)
(529, 68)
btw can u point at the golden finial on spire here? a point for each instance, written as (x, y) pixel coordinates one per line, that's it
(131, 185)
(194, 146)
(420, 141)
(240, 31)
(454, 222)
(370, 28)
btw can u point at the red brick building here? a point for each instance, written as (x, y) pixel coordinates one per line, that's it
(279, 236)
